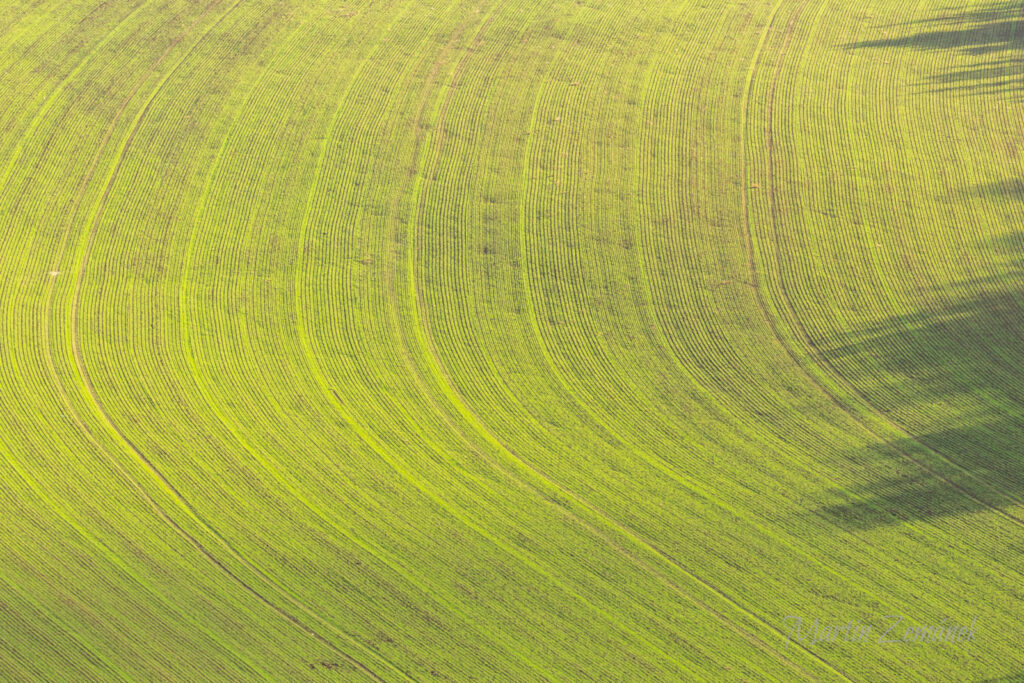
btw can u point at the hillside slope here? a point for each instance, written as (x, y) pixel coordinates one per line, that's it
(487, 340)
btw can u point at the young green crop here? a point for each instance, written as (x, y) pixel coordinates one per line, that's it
(483, 340)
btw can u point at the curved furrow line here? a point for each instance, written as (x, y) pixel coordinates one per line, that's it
(420, 330)
(807, 296)
(707, 342)
(821, 382)
(732, 415)
(829, 569)
(44, 25)
(664, 469)
(33, 484)
(998, 395)
(489, 536)
(115, 430)
(892, 280)
(818, 381)
(444, 381)
(27, 134)
(475, 339)
(429, 491)
(592, 411)
(105, 550)
(388, 559)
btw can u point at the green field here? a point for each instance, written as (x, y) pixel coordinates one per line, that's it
(482, 340)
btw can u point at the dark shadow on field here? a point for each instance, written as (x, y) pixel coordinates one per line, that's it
(967, 352)
(1008, 245)
(1003, 189)
(993, 36)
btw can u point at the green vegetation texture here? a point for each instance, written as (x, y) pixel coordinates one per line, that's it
(490, 340)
